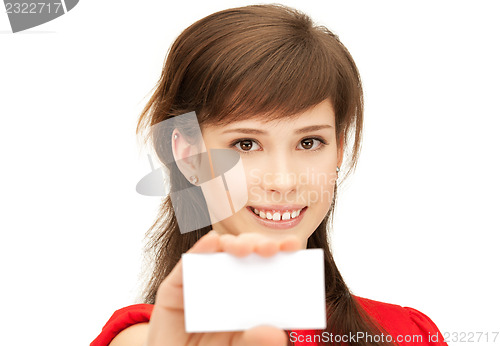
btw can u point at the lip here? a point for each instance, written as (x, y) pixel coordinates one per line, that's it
(277, 207)
(278, 224)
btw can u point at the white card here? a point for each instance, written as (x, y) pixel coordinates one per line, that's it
(226, 293)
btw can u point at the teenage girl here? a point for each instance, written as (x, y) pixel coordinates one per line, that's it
(286, 95)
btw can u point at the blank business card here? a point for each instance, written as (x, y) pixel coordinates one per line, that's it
(226, 293)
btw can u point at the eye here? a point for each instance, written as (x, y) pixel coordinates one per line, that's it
(308, 143)
(244, 145)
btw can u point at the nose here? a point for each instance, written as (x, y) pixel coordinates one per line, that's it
(280, 174)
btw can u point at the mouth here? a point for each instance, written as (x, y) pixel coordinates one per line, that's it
(276, 219)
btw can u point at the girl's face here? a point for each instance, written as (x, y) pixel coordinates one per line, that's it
(290, 172)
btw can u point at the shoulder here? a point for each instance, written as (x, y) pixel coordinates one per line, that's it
(403, 322)
(122, 319)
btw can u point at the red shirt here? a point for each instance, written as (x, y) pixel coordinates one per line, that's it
(405, 325)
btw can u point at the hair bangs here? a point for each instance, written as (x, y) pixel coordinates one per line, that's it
(281, 82)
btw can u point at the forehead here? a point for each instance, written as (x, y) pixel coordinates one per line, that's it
(320, 114)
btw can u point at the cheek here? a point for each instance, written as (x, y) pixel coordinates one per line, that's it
(236, 182)
(254, 177)
(319, 184)
(226, 194)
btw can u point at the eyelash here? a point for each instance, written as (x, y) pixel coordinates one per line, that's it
(321, 146)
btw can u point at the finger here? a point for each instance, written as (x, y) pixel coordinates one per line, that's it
(267, 248)
(246, 243)
(167, 318)
(210, 242)
(241, 245)
(291, 243)
(169, 293)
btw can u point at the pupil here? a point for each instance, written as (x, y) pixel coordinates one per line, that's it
(246, 145)
(307, 146)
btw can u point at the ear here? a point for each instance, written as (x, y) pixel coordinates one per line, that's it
(186, 155)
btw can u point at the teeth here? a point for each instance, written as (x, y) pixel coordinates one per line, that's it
(276, 215)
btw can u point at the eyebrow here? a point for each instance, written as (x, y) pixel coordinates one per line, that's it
(260, 132)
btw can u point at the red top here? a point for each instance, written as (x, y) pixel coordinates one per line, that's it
(405, 325)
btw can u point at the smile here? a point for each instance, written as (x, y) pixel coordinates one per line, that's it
(276, 219)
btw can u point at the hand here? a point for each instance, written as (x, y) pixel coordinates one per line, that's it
(166, 326)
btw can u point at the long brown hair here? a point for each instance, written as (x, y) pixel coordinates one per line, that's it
(266, 61)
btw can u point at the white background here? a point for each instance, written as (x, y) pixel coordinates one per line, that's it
(417, 225)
